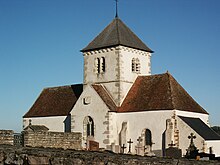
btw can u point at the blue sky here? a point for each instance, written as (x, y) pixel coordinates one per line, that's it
(40, 43)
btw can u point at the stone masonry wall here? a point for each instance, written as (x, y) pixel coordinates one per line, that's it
(37, 156)
(6, 137)
(65, 140)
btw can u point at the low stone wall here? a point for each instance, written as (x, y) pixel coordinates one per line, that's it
(36, 156)
(7, 137)
(65, 140)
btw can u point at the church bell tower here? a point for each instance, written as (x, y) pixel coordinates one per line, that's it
(114, 59)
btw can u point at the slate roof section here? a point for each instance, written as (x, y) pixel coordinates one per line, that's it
(216, 129)
(158, 92)
(102, 92)
(201, 128)
(56, 101)
(115, 34)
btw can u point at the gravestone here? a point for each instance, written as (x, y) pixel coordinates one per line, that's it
(139, 147)
(129, 146)
(173, 152)
(123, 147)
(192, 150)
(93, 146)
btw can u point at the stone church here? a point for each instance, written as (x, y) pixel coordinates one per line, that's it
(121, 105)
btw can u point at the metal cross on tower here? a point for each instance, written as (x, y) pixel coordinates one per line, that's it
(116, 14)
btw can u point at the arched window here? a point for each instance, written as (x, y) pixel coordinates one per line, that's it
(135, 65)
(88, 126)
(97, 65)
(102, 64)
(148, 137)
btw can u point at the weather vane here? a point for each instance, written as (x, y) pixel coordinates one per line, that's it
(116, 15)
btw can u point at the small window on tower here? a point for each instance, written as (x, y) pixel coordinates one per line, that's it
(100, 65)
(103, 65)
(135, 65)
(97, 65)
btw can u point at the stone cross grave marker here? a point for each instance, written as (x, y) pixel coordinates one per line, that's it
(123, 148)
(129, 143)
(139, 146)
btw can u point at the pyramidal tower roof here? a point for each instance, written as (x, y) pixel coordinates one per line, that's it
(115, 34)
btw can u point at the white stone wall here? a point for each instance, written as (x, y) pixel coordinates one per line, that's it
(184, 141)
(137, 122)
(118, 76)
(97, 110)
(172, 133)
(110, 77)
(215, 144)
(55, 123)
(156, 122)
(90, 75)
(185, 130)
(126, 55)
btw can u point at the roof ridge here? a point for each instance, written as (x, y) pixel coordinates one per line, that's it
(117, 29)
(61, 86)
(188, 95)
(171, 89)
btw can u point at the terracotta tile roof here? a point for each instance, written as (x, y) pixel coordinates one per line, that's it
(148, 93)
(158, 92)
(115, 34)
(56, 101)
(103, 93)
(201, 128)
